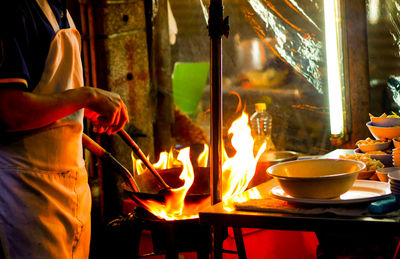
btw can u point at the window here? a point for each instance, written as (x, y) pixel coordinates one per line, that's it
(276, 54)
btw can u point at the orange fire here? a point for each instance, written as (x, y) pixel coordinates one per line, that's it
(242, 197)
(237, 172)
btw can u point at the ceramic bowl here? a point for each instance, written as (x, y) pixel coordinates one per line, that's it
(379, 146)
(396, 150)
(394, 177)
(394, 180)
(383, 132)
(396, 193)
(394, 188)
(394, 185)
(386, 159)
(316, 178)
(396, 157)
(396, 142)
(382, 173)
(385, 121)
(366, 175)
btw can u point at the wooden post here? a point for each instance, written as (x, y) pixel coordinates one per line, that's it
(356, 69)
(160, 69)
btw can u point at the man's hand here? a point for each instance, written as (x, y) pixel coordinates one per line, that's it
(106, 111)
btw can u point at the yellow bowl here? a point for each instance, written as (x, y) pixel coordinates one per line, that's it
(316, 178)
(383, 132)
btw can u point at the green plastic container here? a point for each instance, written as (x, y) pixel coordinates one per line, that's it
(188, 81)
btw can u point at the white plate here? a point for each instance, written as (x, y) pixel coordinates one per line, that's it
(361, 191)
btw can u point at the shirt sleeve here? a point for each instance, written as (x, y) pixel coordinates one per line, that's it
(14, 71)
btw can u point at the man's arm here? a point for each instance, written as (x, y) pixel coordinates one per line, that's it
(21, 110)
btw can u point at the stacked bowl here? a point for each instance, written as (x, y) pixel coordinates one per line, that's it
(386, 159)
(394, 180)
(396, 157)
(381, 132)
(384, 127)
(386, 121)
(387, 129)
(396, 142)
(382, 173)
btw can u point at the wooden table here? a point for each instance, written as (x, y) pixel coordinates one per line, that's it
(223, 215)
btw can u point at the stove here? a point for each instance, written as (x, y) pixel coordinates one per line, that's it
(169, 238)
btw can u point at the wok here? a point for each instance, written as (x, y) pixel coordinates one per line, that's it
(146, 186)
(135, 148)
(151, 189)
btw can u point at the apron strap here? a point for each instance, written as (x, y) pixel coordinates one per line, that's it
(46, 9)
(70, 21)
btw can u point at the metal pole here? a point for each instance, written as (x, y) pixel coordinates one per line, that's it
(215, 33)
(216, 27)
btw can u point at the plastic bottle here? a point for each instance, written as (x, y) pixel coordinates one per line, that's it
(261, 127)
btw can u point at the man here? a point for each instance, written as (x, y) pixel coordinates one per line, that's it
(45, 199)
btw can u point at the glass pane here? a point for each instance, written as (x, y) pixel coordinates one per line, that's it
(274, 54)
(384, 49)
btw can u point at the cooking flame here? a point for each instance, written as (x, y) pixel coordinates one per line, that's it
(242, 197)
(165, 161)
(202, 160)
(174, 203)
(237, 172)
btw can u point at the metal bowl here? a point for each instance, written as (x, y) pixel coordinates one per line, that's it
(316, 178)
(148, 183)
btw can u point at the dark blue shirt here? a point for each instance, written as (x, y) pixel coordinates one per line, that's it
(25, 37)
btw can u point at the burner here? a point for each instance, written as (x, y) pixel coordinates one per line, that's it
(168, 237)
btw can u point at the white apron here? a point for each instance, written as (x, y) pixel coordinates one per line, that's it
(45, 198)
